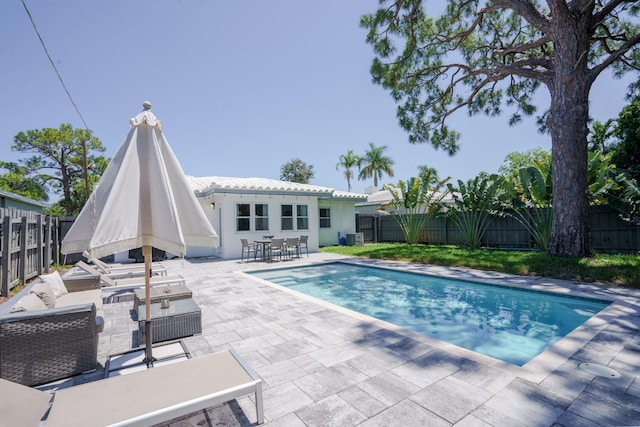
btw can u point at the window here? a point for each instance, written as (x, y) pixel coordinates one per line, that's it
(287, 218)
(286, 214)
(245, 217)
(262, 217)
(325, 218)
(303, 217)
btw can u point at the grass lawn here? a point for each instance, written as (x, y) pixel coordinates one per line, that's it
(622, 270)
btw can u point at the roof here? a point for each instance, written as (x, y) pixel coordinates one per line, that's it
(384, 196)
(20, 198)
(208, 185)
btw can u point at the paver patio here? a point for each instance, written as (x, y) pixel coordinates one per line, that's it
(324, 366)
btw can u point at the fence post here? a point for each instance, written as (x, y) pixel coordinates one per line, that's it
(6, 238)
(376, 228)
(39, 244)
(446, 230)
(54, 239)
(22, 273)
(47, 244)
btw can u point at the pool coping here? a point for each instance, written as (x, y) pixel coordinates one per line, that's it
(624, 301)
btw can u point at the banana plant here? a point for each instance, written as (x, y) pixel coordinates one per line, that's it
(601, 175)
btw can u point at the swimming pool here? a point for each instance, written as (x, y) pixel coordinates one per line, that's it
(510, 324)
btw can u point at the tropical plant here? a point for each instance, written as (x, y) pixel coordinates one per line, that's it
(601, 176)
(429, 174)
(374, 163)
(295, 170)
(601, 134)
(530, 198)
(516, 160)
(627, 150)
(414, 202)
(475, 202)
(627, 200)
(347, 163)
(632, 199)
(483, 55)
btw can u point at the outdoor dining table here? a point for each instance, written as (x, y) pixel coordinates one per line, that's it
(264, 243)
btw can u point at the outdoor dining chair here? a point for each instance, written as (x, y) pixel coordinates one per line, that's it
(293, 246)
(248, 248)
(303, 244)
(276, 248)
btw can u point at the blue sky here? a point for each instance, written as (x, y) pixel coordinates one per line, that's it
(241, 87)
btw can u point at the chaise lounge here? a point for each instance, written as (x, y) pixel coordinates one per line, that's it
(120, 271)
(139, 399)
(130, 282)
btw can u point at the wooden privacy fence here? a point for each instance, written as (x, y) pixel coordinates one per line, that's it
(28, 246)
(609, 233)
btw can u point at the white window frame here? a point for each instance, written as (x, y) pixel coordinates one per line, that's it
(296, 221)
(253, 217)
(325, 221)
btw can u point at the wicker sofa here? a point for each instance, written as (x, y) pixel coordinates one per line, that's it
(38, 345)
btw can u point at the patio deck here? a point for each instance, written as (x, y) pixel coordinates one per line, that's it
(324, 366)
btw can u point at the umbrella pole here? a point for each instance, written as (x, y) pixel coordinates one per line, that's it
(149, 359)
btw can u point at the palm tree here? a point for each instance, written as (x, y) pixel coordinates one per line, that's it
(375, 163)
(347, 162)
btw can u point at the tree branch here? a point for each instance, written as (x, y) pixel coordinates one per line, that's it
(524, 47)
(615, 55)
(528, 11)
(606, 10)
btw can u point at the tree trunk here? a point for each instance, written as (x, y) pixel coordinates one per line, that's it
(568, 124)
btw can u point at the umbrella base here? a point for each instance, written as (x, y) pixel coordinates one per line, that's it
(148, 359)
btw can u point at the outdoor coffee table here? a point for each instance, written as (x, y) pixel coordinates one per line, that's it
(158, 293)
(181, 319)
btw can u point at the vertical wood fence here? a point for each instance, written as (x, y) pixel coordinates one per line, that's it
(609, 234)
(28, 246)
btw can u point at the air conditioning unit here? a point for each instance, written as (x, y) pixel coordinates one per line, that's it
(356, 239)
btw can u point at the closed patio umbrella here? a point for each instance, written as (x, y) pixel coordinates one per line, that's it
(142, 200)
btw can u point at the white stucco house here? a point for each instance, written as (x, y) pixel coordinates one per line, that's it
(255, 207)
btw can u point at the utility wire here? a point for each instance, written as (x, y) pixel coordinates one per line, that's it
(54, 65)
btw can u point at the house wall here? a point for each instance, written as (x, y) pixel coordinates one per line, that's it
(223, 219)
(343, 221)
(15, 201)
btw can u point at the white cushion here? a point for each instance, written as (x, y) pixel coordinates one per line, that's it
(30, 302)
(44, 291)
(81, 297)
(55, 281)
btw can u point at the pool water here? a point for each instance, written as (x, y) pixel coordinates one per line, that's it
(510, 324)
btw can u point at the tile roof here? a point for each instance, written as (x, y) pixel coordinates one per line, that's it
(213, 184)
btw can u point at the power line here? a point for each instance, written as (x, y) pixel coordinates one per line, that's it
(54, 65)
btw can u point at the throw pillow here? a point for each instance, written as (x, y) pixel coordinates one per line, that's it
(29, 302)
(45, 293)
(55, 281)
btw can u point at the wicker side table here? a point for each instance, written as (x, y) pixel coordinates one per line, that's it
(181, 319)
(158, 293)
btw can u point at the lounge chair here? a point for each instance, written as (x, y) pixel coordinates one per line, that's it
(22, 406)
(127, 270)
(139, 399)
(131, 282)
